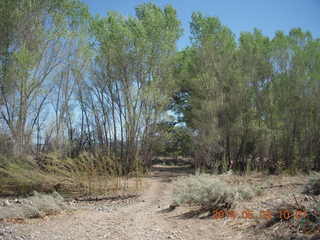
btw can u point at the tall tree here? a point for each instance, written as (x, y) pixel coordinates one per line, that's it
(32, 52)
(130, 77)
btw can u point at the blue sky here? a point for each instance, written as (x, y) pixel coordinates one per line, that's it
(239, 15)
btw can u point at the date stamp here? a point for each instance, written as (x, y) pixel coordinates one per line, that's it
(263, 214)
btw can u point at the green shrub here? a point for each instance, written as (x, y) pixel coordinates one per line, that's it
(208, 192)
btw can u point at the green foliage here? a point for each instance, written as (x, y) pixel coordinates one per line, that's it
(73, 83)
(172, 140)
(34, 33)
(133, 70)
(252, 100)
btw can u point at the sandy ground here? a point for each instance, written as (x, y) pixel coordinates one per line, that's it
(147, 217)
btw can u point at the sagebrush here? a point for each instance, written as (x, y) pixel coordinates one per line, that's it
(35, 206)
(209, 192)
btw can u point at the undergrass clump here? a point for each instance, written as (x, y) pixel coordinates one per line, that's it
(245, 192)
(209, 193)
(35, 206)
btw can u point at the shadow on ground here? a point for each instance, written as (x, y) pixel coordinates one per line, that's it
(171, 167)
(165, 172)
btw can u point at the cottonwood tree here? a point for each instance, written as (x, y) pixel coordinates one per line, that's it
(130, 78)
(36, 34)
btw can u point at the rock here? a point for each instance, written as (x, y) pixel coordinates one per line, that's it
(6, 203)
(173, 206)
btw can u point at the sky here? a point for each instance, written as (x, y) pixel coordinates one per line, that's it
(239, 15)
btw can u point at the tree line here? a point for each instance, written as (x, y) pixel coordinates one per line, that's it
(71, 82)
(252, 103)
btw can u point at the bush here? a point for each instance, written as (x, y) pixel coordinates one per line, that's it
(37, 205)
(209, 193)
(47, 203)
(245, 192)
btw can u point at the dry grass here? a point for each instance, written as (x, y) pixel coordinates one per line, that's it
(278, 192)
(85, 175)
(273, 191)
(210, 192)
(36, 206)
(22, 176)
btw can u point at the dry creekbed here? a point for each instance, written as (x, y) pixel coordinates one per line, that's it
(149, 215)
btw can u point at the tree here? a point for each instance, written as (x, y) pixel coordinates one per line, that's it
(251, 104)
(36, 34)
(130, 78)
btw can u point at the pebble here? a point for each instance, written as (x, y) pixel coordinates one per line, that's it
(7, 233)
(107, 206)
(6, 203)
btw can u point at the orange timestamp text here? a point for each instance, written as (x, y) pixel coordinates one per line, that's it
(263, 214)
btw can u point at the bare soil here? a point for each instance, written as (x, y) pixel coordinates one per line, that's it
(149, 216)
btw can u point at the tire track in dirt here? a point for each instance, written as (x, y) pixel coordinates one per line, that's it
(143, 219)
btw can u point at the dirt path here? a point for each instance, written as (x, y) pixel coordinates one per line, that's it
(146, 218)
